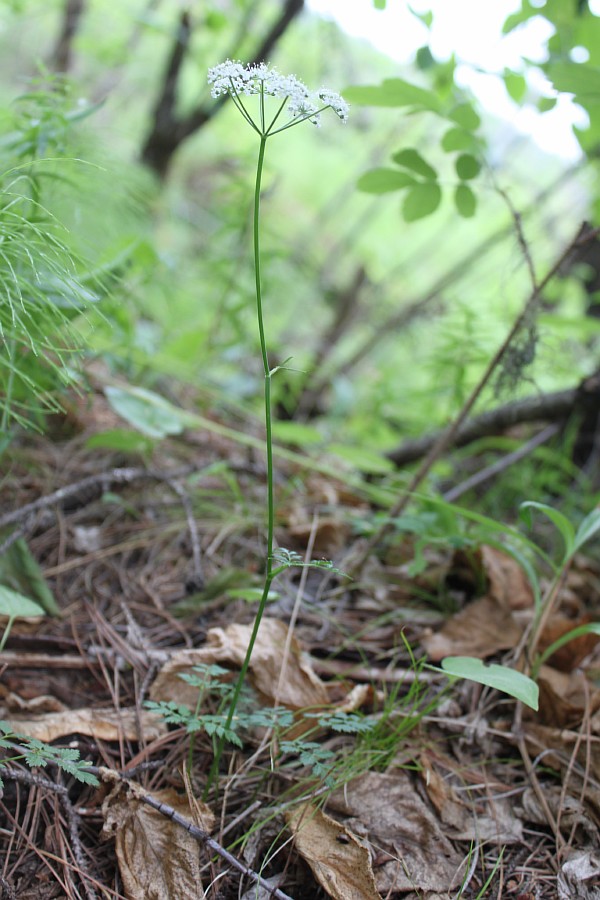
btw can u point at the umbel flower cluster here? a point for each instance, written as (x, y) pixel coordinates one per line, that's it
(237, 80)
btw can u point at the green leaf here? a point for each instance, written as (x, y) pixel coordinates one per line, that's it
(16, 606)
(590, 628)
(501, 678)
(467, 167)
(148, 412)
(465, 116)
(421, 200)
(575, 78)
(121, 439)
(563, 524)
(296, 433)
(393, 92)
(20, 571)
(515, 84)
(362, 458)
(379, 4)
(412, 159)
(382, 181)
(457, 139)
(465, 201)
(545, 104)
(587, 529)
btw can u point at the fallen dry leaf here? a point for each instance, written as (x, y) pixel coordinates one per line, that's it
(507, 581)
(301, 686)
(100, 724)
(480, 629)
(158, 859)
(339, 862)
(417, 854)
(571, 654)
(486, 625)
(564, 697)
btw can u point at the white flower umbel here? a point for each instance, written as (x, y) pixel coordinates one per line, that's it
(272, 93)
(239, 81)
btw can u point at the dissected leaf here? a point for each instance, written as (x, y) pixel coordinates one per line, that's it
(339, 861)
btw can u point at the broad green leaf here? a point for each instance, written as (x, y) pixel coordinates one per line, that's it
(382, 181)
(457, 139)
(575, 78)
(16, 606)
(467, 167)
(362, 459)
(393, 92)
(563, 524)
(425, 17)
(296, 433)
(515, 84)
(587, 529)
(412, 159)
(20, 572)
(465, 201)
(424, 58)
(121, 439)
(501, 678)
(148, 412)
(465, 116)
(421, 200)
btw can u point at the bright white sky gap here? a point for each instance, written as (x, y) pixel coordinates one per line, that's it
(472, 29)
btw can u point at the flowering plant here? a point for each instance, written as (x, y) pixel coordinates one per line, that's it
(237, 80)
(261, 81)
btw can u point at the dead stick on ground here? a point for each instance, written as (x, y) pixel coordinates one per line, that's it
(448, 435)
(92, 483)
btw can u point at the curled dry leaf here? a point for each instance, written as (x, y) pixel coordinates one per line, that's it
(480, 629)
(158, 859)
(487, 625)
(100, 724)
(301, 686)
(564, 698)
(339, 862)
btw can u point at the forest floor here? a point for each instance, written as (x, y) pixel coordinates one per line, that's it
(455, 791)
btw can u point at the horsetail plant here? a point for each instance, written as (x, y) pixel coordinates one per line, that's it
(278, 103)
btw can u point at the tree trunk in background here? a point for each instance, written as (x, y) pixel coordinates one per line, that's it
(169, 130)
(63, 52)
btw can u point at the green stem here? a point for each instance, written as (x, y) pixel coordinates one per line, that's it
(269, 573)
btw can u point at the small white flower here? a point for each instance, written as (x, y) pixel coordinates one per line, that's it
(235, 79)
(335, 102)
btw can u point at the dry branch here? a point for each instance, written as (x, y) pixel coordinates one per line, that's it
(540, 408)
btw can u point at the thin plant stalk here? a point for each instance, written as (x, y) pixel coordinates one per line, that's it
(268, 374)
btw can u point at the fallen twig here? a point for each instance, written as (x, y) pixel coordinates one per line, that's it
(113, 777)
